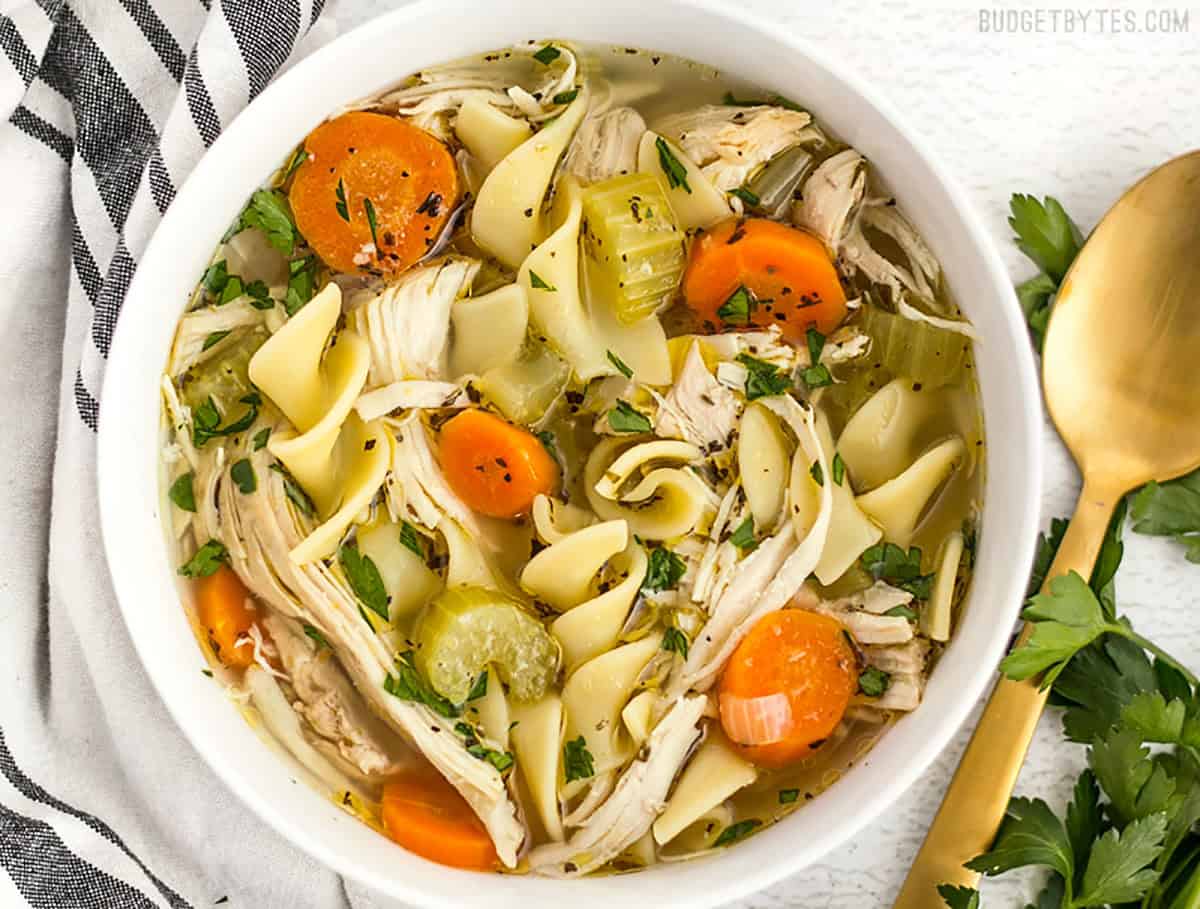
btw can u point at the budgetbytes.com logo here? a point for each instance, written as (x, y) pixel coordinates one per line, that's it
(1069, 20)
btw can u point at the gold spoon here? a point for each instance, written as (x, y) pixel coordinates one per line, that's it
(1121, 371)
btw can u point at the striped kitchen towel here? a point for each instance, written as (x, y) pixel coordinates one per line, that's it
(105, 107)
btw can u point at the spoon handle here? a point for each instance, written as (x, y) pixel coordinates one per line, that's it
(978, 796)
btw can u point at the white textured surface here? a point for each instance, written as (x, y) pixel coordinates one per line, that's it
(1079, 116)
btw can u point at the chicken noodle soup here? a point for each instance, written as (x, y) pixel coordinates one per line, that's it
(573, 458)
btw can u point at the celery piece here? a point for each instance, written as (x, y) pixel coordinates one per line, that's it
(633, 245)
(916, 350)
(467, 629)
(525, 388)
(223, 378)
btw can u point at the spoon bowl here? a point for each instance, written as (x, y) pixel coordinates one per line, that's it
(1122, 352)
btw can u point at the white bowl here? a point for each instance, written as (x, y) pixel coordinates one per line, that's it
(372, 58)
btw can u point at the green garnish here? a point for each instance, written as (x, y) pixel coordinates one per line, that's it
(620, 365)
(242, 474)
(215, 277)
(316, 635)
(268, 211)
(671, 166)
(547, 55)
(260, 295)
(408, 685)
(295, 493)
(546, 437)
(181, 492)
(958, 897)
(364, 579)
(577, 760)
(735, 832)
(536, 282)
(817, 473)
(259, 442)
(817, 374)
(763, 379)
(889, 563)
(775, 100)
(624, 418)
(479, 689)
(903, 612)
(738, 309)
(675, 641)
(369, 208)
(208, 558)
(411, 540)
(746, 195)
(302, 281)
(664, 570)
(1171, 509)
(340, 205)
(787, 796)
(299, 156)
(501, 760)
(206, 419)
(839, 468)
(743, 537)
(873, 682)
(1048, 236)
(565, 97)
(231, 291)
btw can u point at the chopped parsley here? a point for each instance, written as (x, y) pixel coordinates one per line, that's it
(624, 418)
(536, 282)
(479, 689)
(873, 682)
(215, 277)
(369, 208)
(208, 558)
(743, 536)
(242, 474)
(746, 195)
(260, 438)
(231, 291)
(547, 55)
(889, 563)
(577, 760)
(735, 832)
(302, 280)
(408, 685)
(566, 97)
(260, 295)
(411, 540)
(675, 641)
(620, 365)
(903, 612)
(215, 337)
(299, 156)
(738, 309)
(501, 760)
(364, 579)
(788, 796)
(839, 468)
(343, 209)
(817, 473)
(664, 570)
(206, 419)
(671, 166)
(182, 494)
(546, 437)
(268, 211)
(775, 100)
(817, 374)
(295, 493)
(763, 379)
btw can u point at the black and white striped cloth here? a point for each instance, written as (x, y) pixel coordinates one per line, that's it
(105, 107)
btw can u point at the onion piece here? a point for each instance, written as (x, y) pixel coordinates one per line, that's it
(757, 721)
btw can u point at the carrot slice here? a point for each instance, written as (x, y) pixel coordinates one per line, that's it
(758, 272)
(426, 815)
(226, 611)
(802, 655)
(364, 165)
(496, 468)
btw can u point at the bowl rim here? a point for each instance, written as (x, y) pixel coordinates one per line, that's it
(116, 474)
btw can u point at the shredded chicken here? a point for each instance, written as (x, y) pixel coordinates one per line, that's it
(831, 197)
(407, 324)
(606, 145)
(730, 143)
(639, 797)
(698, 408)
(197, 327)
(415, 488)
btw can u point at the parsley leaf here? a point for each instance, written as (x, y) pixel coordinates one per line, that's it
(479, 689)
(208, 558)
(959, 897)
(1031, 834)
(675, 641)
(215, 277)
(738, 309)
(839, 468)
(565, 97)
(299, 156)
(624, 418)
(1066, 619)
(315, 633)
(231, 291)
(268, 211)
(620, 365)
(664, 570)
(889, 563)
(817, 473)
(874, 682)
(206, 419)
(181, 492)
(1117, 871)
(1045, 233)
(369, 208)
(295, 492)
(364, 579)
(743, 537)
(302, 280)
(260, 295)
(411, 540)
(1047, 549)
(577, 760)
(1171, 509)
(1136, 784)
(260, 438)
(774, 100)
(671, 166)
(242, 474)
(547, 55)
(409, 685)
(546, 437)
(342, 208)
(735, 832)
(903, 612)
(746, 195)
(763, 379)
(788, 796)
(501, 760)
(215, 337)
(1036, 297)
(816, 374)
(537, 283)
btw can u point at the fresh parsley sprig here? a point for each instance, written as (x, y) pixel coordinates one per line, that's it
(1048, 236)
